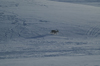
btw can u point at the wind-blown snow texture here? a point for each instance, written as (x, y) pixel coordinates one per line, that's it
(25, 33)
(84, 2)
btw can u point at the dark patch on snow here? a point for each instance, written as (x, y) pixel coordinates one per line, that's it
(43, 21)
(39, 36)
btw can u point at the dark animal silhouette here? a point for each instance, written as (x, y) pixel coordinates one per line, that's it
(54, 31)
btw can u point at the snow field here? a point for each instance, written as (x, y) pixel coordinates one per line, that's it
(25, 38)
(54, 61)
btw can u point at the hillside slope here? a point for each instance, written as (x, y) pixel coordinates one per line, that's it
(25, 33)
(27, 19)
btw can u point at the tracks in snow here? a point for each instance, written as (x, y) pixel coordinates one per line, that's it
(94, 31)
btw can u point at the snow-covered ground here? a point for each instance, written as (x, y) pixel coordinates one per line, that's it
(54, 61)
(25, 38)
(84, 2)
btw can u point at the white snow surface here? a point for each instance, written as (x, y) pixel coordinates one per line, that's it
(25, 38)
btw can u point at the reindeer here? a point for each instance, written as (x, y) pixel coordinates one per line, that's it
(54, 31)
